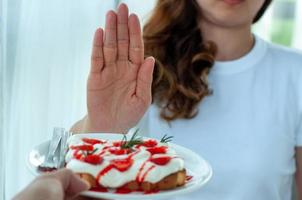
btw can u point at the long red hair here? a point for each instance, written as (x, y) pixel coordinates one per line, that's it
(183, 59)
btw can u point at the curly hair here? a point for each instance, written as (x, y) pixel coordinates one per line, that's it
(183, 59)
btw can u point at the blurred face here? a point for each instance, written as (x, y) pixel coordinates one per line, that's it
(230, 13)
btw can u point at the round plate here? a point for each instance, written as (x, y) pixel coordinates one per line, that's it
(197, 167)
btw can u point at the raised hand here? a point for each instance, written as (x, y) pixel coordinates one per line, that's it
(120, 79)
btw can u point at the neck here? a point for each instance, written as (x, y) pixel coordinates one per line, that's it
(232, 43)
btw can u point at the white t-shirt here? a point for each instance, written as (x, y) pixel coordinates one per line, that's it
(248, 129)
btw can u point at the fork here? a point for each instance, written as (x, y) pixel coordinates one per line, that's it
(53, 156)
(63, 148)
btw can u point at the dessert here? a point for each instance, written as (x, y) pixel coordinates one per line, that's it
(137, 164)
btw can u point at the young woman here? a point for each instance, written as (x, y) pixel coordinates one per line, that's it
(217, 88)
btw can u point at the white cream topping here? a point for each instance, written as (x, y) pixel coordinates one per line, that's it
(115, 178)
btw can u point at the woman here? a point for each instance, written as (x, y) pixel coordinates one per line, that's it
(218, 89)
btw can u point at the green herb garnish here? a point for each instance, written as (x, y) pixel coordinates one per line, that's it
(87, 153)
(166, 139)
(134, 140)
(93, 151)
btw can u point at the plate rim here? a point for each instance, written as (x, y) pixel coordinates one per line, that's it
(163, 195)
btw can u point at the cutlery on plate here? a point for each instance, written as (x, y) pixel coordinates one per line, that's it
(56, 151)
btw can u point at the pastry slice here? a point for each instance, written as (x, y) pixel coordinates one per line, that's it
(137, 164)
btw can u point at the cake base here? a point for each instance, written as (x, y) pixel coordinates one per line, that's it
(169, 182)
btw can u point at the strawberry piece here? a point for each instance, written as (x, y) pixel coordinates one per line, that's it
(122, 165)
(161, 160)
(157, 150)
(118, 143)
(92, 141)
(77, 155)
(150, 143)
(93, 159)
(120, 151)
(82, 147)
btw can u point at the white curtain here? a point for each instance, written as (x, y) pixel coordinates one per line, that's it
(142, 8)
(2, 97)
(47, 66)
(50, 61)
(44, 51)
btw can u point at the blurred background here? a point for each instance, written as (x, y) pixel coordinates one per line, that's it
(44, 61)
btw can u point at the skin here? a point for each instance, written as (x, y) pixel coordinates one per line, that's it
(229, 26)
(119, 83)
(64, 185)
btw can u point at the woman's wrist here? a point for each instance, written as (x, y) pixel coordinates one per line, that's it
(86, 125)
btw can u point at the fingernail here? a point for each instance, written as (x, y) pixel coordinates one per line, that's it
(110, 14)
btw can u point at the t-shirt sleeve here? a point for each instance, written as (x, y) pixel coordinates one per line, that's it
(299, 128)
(299, 135)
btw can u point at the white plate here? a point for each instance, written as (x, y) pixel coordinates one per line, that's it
(194, 164)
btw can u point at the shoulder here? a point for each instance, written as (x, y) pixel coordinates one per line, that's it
(283, 62)
(288, 61)
(282, 65)
(285, 55)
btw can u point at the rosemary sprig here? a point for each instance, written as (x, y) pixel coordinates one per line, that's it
(93, 151)
(134, 140)
(166, 139)
(87, 153)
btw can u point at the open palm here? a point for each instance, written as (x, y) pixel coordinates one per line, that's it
(120, 79)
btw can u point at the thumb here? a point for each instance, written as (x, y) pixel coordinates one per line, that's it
(144, 79)
(72, 184)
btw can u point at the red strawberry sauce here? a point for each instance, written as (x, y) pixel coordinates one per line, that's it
(85, 153)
